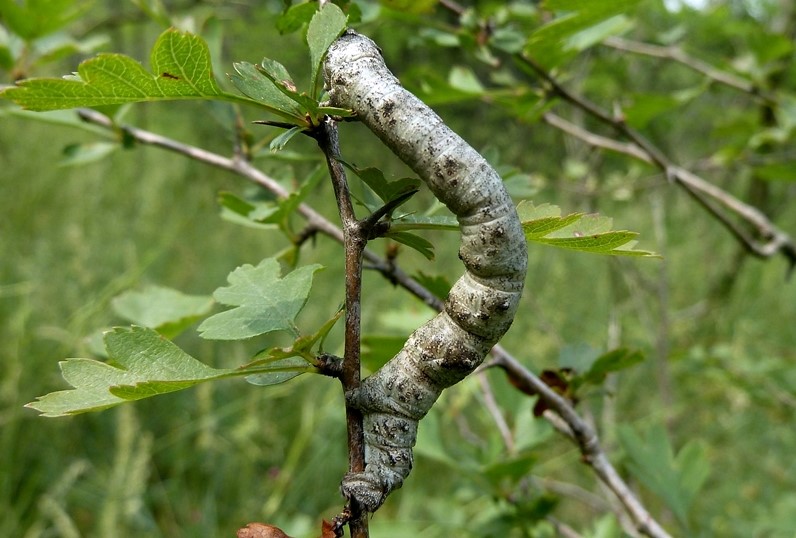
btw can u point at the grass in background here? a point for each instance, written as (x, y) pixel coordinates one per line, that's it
(204, 461)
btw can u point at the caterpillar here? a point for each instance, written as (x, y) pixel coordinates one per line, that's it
(481, 305)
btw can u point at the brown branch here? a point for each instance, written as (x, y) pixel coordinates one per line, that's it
(354, 241)
(677, 54)
(570, 423)
(494, 411)
(574, 426)
(770, 239)
(595, 140)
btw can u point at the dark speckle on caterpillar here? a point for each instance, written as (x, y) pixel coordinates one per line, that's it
(482, 303)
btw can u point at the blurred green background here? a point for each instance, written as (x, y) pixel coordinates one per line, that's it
(716, 328)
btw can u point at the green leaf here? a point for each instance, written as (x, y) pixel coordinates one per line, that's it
(416, 242)
(295, 17)
(155, 10)
(464, 80)
(7, 56)
(593, 35)
(65, 118)
(384, 189)
(675, 480)
(279, 364)
(512, 469)
(60, 45)
(784, 171)
(437, 90)
(645, 107)
(613, 361)
(251, 82)
(143, 364)
(410, 6)
(264, 301)
(282, 81)
(180, 70)
(271, 212)
(277, 72)
(279, 143)
(439, 285)
(280, 371)
(240, 211)
(326, 25)
(544, 224)
(335, 111)
(424, 222)
(89, 152)
(31, 19)
(377, 349)
(585, 233)
(165, 310)
(555, 41)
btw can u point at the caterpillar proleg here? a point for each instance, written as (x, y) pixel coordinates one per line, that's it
(481, 305)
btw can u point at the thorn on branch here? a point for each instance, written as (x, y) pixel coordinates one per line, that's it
(371, 223)
(280, 124)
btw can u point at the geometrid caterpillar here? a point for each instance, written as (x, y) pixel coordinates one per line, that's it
(482, 303)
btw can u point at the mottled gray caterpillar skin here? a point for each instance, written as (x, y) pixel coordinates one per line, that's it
(482, 303)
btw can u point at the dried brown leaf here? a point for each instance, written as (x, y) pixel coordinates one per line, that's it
(261, 530)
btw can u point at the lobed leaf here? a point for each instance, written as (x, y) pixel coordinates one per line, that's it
(676, 480)
(181, 69)
(165, 310)
(264, 302)
(586, 233)
(144, 364)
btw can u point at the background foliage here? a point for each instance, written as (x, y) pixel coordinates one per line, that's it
(703, 426)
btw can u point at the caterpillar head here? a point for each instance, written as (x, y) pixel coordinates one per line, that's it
(347, 59)
(367, 489)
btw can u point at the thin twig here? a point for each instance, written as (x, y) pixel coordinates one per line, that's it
(572, 491)
(354, 241)
(677, 54)
(494, 411)
(772, 240)
(562, 529)
(586, 439)
(595, 140)
(584, 436)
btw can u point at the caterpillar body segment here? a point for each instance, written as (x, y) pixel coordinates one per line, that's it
(481, 305)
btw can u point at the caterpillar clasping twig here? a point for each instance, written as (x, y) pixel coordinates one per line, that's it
(481, 305)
